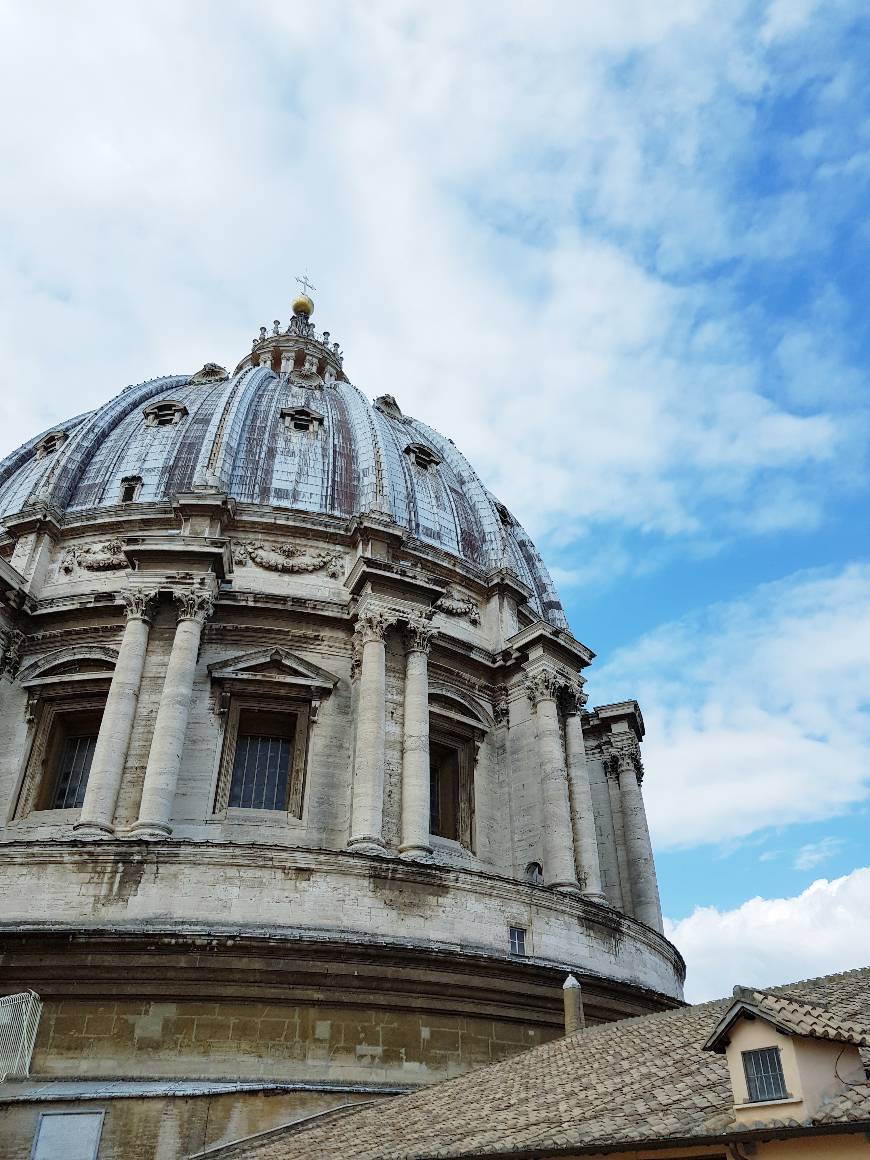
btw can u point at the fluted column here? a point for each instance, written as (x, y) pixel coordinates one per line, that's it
(582, 811)
(113, 740)
(638, 848)
(367, 810)
(559, 870)
(415, 746)
(164, 759)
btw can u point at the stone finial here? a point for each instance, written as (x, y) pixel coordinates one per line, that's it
(194, 604)
(141, 603)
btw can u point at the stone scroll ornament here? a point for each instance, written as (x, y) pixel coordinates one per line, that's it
(455, 604)
(108, 557)
(287, 558)
(11, 646)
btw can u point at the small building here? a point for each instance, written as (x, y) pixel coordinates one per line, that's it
(767, 1074)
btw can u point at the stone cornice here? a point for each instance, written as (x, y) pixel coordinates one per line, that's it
(108, 853)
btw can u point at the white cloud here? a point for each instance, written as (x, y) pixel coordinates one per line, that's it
(509, 214)
(770, 941)
(756, 710)
(813, 854)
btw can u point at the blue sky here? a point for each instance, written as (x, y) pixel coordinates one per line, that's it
(618, 255)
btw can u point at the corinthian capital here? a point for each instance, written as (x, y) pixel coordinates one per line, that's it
(419, 634)
(11, 646)
(573, 696)
(372, 624)
(624, 755)
(543, 685)
(141, 603)
(194, 603)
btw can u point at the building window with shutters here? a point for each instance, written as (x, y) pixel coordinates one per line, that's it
(451, 786)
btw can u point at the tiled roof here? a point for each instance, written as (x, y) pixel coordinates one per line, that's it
(637, 1081)
(794, 1017)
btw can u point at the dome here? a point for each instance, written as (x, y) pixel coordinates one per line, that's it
(286, 430)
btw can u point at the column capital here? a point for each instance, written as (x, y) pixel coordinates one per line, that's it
(140, 603)
(419, 634)
(622, 753)
(543, 685)
(372, 623)
(573, 696)
(194, 603)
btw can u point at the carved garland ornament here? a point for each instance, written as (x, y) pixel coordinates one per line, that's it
(287, 558)
(108, 557)
(455, 604)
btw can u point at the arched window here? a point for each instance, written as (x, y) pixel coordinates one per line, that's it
(535, 874)
(164, 414)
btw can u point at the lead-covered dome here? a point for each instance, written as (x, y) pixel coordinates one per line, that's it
(288, 430)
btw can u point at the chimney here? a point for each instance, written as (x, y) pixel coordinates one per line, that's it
(572, 996)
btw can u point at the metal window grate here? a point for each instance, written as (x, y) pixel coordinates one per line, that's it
(261, 773)
(764, 1076)
(517, 937)
(73, 769)
(19, 1023)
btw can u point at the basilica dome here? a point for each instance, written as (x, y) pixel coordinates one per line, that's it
(300, 793)
(287, 430)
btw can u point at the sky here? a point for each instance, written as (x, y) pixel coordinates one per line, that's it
(618, 253)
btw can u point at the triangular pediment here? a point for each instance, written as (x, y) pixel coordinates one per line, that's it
(274, 665)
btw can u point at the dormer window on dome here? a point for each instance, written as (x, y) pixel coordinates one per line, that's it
(166, 413)
(131, 485)
(49, 443)
(301, 418)
(422, 455)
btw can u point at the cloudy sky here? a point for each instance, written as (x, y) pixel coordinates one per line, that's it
(618, 252)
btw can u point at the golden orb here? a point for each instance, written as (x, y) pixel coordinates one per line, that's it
(302, 304)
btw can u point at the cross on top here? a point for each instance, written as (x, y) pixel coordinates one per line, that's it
(307, 286)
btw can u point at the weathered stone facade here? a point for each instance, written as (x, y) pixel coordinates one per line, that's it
(214, 562)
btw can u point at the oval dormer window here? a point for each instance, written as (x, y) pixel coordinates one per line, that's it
(49, 443)
(166, 413)
(422, 455)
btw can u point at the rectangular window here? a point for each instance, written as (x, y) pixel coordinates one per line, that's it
(262, 766)
(517, 938)
(451, 786)
(69, 751)
(67, 1136)
(73, 769)
(764, 1076)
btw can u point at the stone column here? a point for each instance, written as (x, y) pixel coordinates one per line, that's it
(164, 759)
(113, 740)
(367, 810)
(638, 848)
(611, 767)
(415, 746)
(559, 870)
(582, 811)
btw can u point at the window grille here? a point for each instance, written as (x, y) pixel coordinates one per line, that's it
(261, 772)
(19, 1023)
(764, 1076)
(72, 772)
(517, 935)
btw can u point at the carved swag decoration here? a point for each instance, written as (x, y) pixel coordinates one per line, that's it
(454, 603)
(108, 557)
(287, 558)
